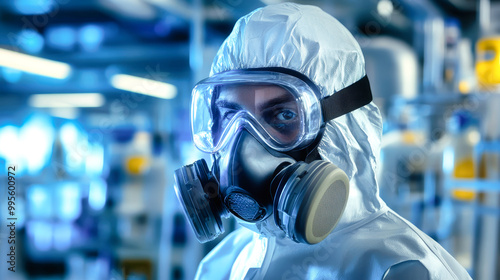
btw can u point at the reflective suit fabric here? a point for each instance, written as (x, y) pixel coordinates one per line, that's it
(370, 238)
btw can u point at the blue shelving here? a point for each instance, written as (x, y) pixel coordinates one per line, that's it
(479, 210)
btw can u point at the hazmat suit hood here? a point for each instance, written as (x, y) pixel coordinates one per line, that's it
(370, 241)
(326, 52)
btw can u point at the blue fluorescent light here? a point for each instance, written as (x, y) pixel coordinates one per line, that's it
(66, 100)
(34, 65)
(91, 37)
(39, 202)
(75, 148)
(33, 7)
(97, 194)
(41, 234)
(144, 86)
(70, 135)
(30, 41)
(61, 37)
(36, 138)
(448, 159)
(9, 149)
(94, 162)
(62, 236)
(68, 204)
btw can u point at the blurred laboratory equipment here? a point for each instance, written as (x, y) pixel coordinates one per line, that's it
(459, 163)
(439, 181)
(400, 78)
(401, 173)
(458, 76)
(90, 204)
(488, 155)
(488, 63)
(403, 152)
(59, 183)
(451, 57)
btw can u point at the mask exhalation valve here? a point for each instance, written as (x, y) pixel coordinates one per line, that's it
(245, 207)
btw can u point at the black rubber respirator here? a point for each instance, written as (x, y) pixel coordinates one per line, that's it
(252, 180)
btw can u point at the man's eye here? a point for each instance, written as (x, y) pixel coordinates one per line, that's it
(228, 115)
(286, 115)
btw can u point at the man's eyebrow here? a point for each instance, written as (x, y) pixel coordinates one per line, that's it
(275, 101)
(228, 104)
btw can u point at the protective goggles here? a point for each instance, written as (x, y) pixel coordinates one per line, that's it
(281, 107)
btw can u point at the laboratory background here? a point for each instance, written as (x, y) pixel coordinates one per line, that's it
(95, 117)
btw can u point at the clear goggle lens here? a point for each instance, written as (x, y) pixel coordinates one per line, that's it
(279, 109)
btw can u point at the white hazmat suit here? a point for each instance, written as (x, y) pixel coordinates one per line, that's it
(370, 241)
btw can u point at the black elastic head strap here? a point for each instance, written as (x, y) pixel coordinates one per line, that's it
(342, 102)
(347, 100)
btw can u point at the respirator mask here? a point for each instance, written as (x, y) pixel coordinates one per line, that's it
(262, 127)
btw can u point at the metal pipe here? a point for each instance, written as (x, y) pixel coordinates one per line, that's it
(429, 30)
(196, 41)
(484, 10)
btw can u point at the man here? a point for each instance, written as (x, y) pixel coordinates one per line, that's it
(287, 114)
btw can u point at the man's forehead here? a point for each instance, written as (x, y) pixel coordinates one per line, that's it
(246, 92)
